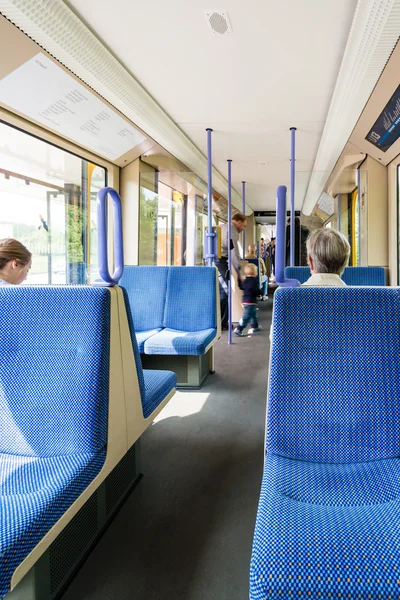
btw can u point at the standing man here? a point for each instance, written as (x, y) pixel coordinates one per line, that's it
(239, 223)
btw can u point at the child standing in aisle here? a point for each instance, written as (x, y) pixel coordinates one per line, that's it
(251, 290)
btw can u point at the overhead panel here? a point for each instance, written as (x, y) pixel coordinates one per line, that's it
(373, 36)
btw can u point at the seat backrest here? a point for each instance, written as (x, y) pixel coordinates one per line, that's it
(146, 289)
(299, 273)
(54, 369)
(360, 276)
(335, 374)
(191, 298)
(364, 276)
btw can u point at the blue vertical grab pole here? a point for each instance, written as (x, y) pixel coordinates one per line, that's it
(210, 232)
(280, 245)
(229, 251)
(292, 173)
(244, 212)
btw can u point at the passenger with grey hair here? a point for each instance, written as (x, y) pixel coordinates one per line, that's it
(328, 254)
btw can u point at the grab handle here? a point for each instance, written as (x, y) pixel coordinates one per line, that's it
(106, 278)
(280, 258)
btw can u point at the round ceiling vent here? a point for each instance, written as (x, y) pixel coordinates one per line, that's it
(218, 21)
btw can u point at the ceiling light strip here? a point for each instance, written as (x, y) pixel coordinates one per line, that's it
(54, 26)
(373, 36)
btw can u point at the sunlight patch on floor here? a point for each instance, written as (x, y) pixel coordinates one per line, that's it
(183, 404)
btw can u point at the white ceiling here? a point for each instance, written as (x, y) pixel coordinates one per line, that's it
(277, 69)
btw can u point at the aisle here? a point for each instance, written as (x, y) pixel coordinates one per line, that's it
(185, 533)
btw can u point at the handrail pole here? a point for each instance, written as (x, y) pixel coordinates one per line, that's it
(210, 233)
(106, 278)
(244, 212)
(292, 181)
(280, 244)
(229, 252)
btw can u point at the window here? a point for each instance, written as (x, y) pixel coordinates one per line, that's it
(48, 202)
(162, 229)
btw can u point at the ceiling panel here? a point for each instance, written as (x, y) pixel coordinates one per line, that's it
(277, 69)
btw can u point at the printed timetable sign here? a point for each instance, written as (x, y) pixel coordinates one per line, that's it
(386, 129)
(43, 91)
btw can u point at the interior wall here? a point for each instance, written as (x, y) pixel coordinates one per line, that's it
(392, 222)
(129, 186)
(250, 231)
(377, 206)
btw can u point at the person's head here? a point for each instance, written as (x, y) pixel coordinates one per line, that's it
(240, 221)
(252, 249)
(15, 261)
(262, 240)
(328, 251)
(250, 270)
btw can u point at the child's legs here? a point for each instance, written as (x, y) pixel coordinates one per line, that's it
(245, 318)
(253, 317)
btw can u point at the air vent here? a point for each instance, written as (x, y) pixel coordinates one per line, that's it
(218, 21)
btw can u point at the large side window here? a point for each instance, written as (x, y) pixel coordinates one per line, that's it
(48, 202)
(162, 226)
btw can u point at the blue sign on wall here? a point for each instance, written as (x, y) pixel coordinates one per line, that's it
(386, 129)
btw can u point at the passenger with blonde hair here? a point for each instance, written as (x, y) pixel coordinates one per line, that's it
(251, 290)
(15, 262)
(328, 253)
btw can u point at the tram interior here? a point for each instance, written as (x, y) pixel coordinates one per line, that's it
(146, 451)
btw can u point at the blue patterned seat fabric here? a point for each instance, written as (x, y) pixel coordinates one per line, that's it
(328, 522)
(143, 336)
(154, 385)
(358, 276)
(190, 321)
(173, 308)
(157, 386)
(54, 363)
(146, 288)
(170, 341)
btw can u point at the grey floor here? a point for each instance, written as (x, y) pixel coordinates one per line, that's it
(186, 530)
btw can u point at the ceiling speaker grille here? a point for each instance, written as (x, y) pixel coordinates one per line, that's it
(218, 21)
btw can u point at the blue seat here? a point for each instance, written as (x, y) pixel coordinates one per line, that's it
(146, 288)
(170, 341)
(157, 386)
(328, 522)
(154, 385)
(53, 412)
(358, 276)
(190, 319)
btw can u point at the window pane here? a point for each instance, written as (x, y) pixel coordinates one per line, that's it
(161, 239)
(47, 201)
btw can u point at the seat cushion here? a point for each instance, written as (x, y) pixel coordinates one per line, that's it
(171, 341)
(326, 530)
(34, 494)
(157, 384)
(142, 336)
